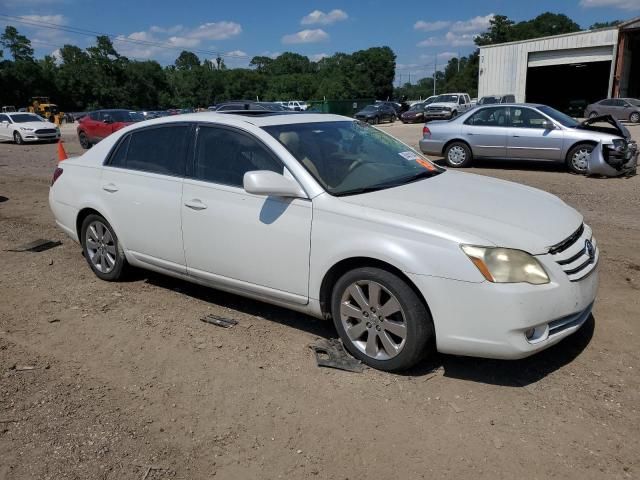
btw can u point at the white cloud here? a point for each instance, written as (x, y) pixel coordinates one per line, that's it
(306, 36)
(431, 26)
(474, 25)
(318, 56)
(169, 30)
(237, 53)
(56, 55)
(318, 17)
(447, 55)
(622, 4)
(57, 19)
(216, 31)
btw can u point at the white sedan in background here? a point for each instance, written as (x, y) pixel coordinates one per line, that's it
(27, 127)
(336, 219)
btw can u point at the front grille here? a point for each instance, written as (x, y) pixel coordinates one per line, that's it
(578, 254)
(434, 109)
(46, 131)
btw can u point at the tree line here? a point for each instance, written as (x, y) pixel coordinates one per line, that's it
(100, 77)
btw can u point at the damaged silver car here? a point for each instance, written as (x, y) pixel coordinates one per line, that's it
(616, 157)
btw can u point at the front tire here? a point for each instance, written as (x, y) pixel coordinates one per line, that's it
(593, 114)
(634, 117)
(381, 320)
(84, 141)
(101, 249)
(578, 158)
(17, 138)
(393, 119)
(458, 155)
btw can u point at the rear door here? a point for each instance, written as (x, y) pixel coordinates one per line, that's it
(141, 187)
(528, 139)
(5, 124)
(486, 132)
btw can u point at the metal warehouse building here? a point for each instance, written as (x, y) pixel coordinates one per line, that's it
(565, 70)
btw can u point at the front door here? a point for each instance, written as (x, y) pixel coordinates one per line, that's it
(141, 186)
(238, 240)
(486, 132)
(528, 139)
(5, 130)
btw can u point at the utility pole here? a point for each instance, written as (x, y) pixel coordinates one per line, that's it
(435, 69)
(458, 61)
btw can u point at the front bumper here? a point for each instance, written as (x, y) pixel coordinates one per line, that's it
(38, 137)
(490, 320)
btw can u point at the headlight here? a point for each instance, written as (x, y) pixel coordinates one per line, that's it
(619, 144)
(504, 265)
(446, 109)
(27, 129)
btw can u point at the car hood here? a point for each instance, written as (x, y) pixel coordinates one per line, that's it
(498, 212)
(443, 104)
(615, 128)
(36, 125)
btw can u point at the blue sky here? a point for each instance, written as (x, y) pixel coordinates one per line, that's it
(418, 31)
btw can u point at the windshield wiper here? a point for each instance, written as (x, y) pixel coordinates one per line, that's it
(384, 186)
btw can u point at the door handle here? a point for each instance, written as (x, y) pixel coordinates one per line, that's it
(516, 136)
(195, 204)
(110, 187)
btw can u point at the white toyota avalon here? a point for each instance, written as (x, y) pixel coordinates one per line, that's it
(336, 219)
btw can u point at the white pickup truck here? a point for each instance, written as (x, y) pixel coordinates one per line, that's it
(448, 106)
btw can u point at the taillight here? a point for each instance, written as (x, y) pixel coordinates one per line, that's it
(56, 175)
(426, 132)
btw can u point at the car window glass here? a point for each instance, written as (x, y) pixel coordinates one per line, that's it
(489, 117)
(94, 116)
(618, 103)
(119, 156)
(606, 103)
(159, 150)
(4, 118)
(526, 118)
(224, 156)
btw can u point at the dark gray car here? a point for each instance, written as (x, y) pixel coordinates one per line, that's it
(619, 108)
(515, 132)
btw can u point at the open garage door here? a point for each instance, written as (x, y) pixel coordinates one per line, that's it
(569, 87)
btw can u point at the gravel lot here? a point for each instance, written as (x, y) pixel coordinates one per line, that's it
(128, 383)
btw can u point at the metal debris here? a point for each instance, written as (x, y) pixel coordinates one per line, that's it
(39, 245)
(219, 321)
(331, 353)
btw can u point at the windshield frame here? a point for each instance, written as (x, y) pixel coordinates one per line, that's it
(426, 171)
(558, 117)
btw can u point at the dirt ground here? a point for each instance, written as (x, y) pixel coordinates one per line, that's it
(123, 381)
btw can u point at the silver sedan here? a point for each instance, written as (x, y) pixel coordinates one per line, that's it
(515, 132)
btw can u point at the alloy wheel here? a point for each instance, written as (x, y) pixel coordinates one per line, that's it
(17, 138)
(101, 247)
(635, 117)
(373, 319)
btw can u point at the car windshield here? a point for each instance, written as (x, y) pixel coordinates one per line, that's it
(25, 117)
(124, 116)
(488, 100)
(351, 157)
(634, 101)
(370, 108)
(561, 118)
(447, 99)
(418, 107)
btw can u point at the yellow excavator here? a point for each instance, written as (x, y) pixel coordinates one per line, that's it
(49, 111)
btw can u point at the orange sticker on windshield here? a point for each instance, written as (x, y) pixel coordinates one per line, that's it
(425, 164)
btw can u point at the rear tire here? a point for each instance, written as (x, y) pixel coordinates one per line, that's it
(391, 330)
(634, 117)
(578, 158)
(458, 155)
(101, 249)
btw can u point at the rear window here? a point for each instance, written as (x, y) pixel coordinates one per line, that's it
(160, 150)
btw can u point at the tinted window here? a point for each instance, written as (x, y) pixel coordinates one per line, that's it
(619, 103)
(158, 150)
(509, 99)
(119, 157)
(489, 117)
(526, 118)
(4, 118)
(94, 116)
(25, 117)
(224, 156)
(606, 103)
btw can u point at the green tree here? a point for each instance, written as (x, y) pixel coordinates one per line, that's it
(613, 23)
(18, 45)
(187, 61)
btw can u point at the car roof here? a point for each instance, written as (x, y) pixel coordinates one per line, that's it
(258, 119)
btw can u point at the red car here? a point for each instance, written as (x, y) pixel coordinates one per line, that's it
(97, 125)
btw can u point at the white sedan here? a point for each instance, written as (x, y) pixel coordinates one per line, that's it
(24, 127)
(336, 219)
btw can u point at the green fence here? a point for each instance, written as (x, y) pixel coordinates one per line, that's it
(340, 107)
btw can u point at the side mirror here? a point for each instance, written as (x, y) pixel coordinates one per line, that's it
(272, 184)
(547, 125)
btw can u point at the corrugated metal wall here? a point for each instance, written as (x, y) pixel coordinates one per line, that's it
(503, 68)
